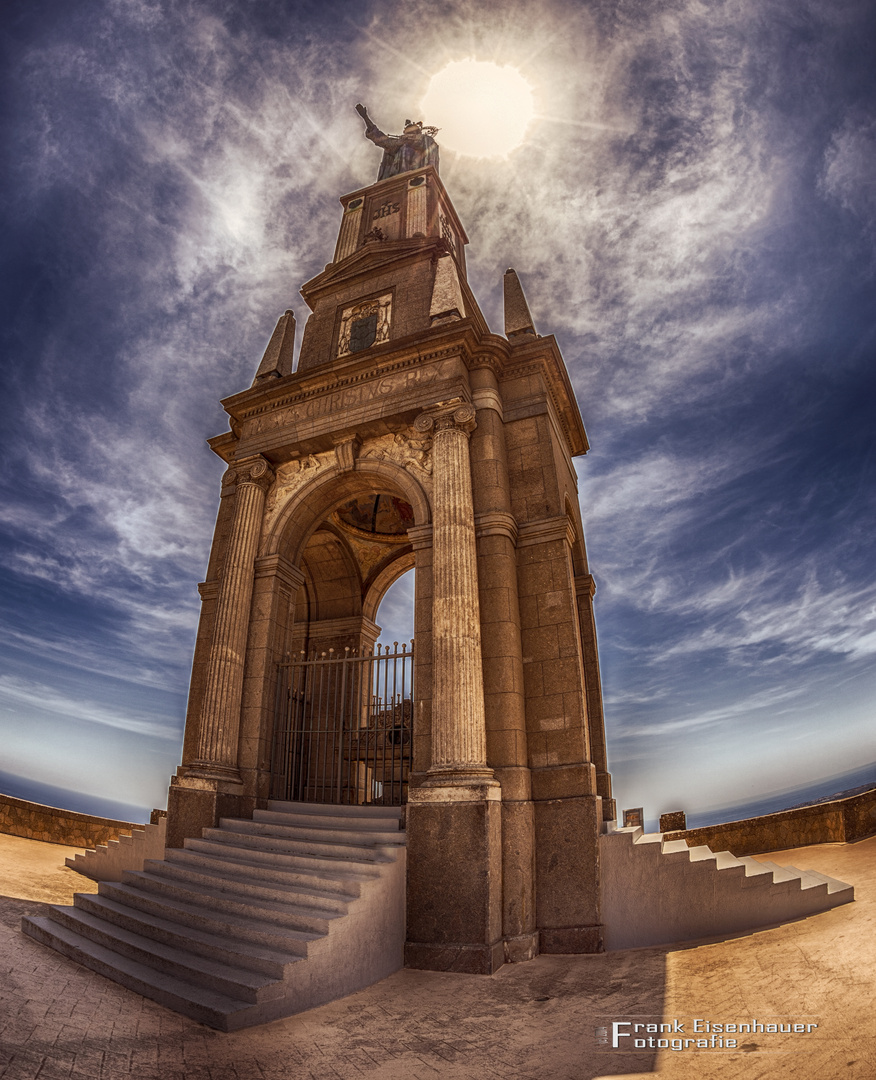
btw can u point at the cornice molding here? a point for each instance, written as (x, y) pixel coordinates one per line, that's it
(278, 566)
(496, 523)
(542, 532)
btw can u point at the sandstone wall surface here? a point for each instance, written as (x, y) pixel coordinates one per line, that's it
(53, 826)
(840, 821)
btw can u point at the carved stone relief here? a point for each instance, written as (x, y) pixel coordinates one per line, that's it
(412, 452)
(293, 475)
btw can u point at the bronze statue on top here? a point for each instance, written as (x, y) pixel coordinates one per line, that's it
(415, 149)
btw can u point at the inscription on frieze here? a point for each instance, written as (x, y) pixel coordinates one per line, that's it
(350, 397)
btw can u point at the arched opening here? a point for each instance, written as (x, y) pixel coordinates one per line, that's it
(343, 721)
(395, 614)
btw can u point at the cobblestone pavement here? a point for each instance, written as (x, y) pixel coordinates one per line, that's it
(535, 1021)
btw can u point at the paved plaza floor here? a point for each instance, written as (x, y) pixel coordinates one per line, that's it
(538, 1021)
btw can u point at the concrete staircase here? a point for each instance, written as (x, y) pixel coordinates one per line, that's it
(107, 862)
(256, 920)
(656, 891)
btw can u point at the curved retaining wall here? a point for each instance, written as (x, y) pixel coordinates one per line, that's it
(37, 822)
(840, 821)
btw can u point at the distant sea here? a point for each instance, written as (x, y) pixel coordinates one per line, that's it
(819, 791)
(19, 787)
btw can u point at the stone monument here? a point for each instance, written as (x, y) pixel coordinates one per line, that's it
(410, 435)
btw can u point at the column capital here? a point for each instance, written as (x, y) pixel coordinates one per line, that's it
(446, 415)
(255, 470)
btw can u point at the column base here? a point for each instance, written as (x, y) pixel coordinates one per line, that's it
(567, 908)
(573, 939)
(195, 803)
(464, 959)
(208, 770)
(522, 948)
(480, 778)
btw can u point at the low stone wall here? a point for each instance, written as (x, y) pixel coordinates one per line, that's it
(36, 822)
(840, 821)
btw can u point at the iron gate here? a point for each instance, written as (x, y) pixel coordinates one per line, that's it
(342, 730)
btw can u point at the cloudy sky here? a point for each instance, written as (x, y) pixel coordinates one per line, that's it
(693, 214)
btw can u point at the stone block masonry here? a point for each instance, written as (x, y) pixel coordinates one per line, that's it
(33, 821)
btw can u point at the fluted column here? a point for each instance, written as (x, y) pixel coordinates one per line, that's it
(220, 716)
(459, 748)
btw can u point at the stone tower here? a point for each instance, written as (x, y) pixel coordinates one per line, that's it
(411, 436)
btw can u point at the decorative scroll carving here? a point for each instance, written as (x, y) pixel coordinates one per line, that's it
(256, 471)
(452, 414)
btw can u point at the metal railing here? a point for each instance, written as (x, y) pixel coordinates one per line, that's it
(342, 730)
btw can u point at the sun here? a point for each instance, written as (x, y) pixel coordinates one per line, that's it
(482, 109)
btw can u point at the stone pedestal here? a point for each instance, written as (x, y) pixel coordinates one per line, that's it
(454, 894)
(567, 874)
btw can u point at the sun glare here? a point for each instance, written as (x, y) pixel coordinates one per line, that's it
(482, 109)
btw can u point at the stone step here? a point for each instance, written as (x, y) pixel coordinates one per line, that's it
(254, 921)
(835, 888)
(297, 916)
(245, 927)
(659, 893)
(224, 859)
(351, 813)
(200, 1003)
(337, 822)
(671, 847)
(755, 871)
(240, 845)
(217, 879)
(287, 844)
(238, 983)
(274, 902)
(108, 861)
(782, 873)
(726, 861)
(353, 839)
(267, 959)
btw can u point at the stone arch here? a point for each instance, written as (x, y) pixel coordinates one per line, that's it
(315, 500)
(338, 571)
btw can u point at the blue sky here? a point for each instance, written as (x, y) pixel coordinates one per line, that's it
(693, 214)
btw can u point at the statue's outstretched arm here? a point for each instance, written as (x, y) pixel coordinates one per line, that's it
(373, 132)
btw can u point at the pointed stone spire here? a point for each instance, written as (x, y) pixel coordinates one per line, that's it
(279, 355)
(447, 304)
(518, 320)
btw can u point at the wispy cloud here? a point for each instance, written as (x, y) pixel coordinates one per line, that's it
(687, 216)
(40, 698)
